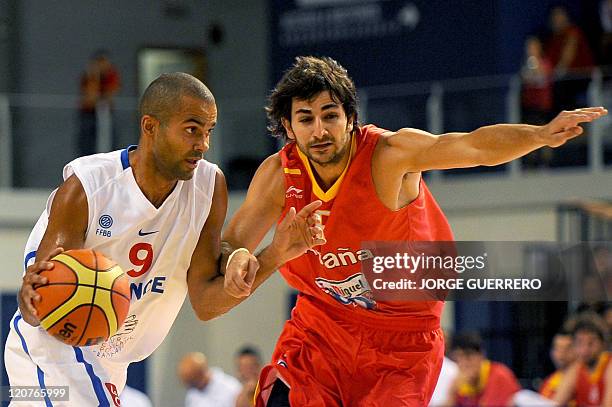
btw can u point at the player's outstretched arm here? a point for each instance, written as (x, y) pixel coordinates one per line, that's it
(416, 150)
(66, 230)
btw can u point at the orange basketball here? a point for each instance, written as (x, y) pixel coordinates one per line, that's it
(86, 298)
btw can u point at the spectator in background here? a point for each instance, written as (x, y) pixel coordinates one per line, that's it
(206, 387)
(593, 294)
(447, 377)
(131, 397)
(562, 355)
(480, 382)
(536, 76)
(99, 83)
(536, 96)
(248, 366)
(589, 379)
(602, 264)
(571, 58)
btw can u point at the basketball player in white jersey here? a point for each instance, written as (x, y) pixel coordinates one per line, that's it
(157, 210)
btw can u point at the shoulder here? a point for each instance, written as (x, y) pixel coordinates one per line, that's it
(402, 148)
(271, 170)
(208, 177)
(269, 181)
(271, 164)
(102, 162)
(94, 171)
(405, 136)
(225, 378)
(608, 372)
(70, 194)
(504, 373)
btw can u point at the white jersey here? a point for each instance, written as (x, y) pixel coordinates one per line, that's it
(221, 391)
(152, 245)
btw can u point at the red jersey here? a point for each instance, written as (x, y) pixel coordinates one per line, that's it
(590, 385)
(352, 213)
(550, 385)
(496, 386)
(558, 42)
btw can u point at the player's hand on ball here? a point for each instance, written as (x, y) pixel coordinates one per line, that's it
(27, 294)
(567, 125)
(299, 232)
(240, 273)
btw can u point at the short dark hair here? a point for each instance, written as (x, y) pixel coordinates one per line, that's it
(592, 323)
(467, 342)
(248, 351)
(305, 79)
(163, 96)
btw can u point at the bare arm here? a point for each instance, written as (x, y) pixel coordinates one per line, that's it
(262, 208)
(66, 230)
(607, 398)
(417, 150)
(567, 388)
(204, 282)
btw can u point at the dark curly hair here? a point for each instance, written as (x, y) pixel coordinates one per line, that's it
(304, 80)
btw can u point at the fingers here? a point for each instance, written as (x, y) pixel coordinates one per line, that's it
(561, 137)
(34, 279)
(252, 271)
(314, 219)
(287, 220)
(54, 253)
(317, 236)
(310, 208)
(236, 286)
(582, 115)
(28, 296)
(600, 109)
(240, 274)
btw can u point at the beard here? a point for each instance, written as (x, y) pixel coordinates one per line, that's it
(334, 156)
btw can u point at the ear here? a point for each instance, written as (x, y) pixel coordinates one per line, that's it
(349, 124)
(288, 129)
(148, 125)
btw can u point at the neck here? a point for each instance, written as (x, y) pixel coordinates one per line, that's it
(328, 174)
(153, 185)
(592, 363)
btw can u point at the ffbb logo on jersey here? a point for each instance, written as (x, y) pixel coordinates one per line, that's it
(105, 222)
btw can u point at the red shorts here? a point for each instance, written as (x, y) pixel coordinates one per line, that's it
(327, 359)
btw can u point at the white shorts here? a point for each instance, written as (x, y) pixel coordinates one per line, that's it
(34, 358)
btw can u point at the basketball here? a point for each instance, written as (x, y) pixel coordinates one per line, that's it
(86, 298)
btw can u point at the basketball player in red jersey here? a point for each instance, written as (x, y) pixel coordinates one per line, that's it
(341, 346)
(588, 381)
